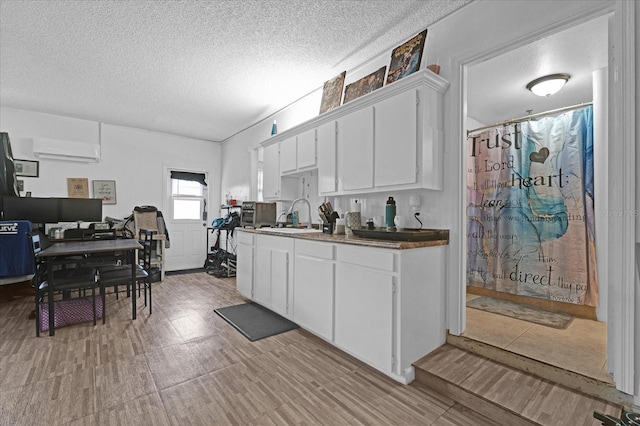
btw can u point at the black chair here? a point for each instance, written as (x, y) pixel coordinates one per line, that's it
(117, 275)
(72, 277)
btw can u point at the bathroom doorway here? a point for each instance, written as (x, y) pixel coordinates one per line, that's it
(496, 92)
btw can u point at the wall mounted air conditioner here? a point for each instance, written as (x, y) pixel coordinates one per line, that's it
(58, 149)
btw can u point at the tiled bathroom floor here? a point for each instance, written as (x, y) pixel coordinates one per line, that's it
(581, 347)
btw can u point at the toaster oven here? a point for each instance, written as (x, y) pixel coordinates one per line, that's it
(257, 214)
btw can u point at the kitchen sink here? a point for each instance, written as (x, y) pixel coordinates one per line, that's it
(405, 234)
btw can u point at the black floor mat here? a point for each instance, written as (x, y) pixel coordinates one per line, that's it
(254, 321)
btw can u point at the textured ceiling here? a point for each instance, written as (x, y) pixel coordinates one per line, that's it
(497, 87)
(205, 69)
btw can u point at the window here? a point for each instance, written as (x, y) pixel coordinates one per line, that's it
(188, 195)
(260, 174)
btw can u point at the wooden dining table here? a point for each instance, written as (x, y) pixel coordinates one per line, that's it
(60, 252)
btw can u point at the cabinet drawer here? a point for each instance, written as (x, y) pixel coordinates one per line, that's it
(367, 257)
(244, 237)
(315, 249)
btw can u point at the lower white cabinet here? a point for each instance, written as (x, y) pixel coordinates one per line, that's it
(313, 287)
(273, 273)
(384, 306)
(364, 314)
(244, 269)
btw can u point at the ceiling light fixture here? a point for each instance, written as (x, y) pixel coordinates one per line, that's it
(548, 85)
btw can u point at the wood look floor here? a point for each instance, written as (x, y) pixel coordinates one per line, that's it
(184, 365)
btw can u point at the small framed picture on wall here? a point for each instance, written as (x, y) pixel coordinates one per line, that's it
(105, 190)
(27, 168)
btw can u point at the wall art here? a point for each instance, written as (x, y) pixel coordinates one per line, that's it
(405, 59)
(332, 93)
(365, 85)
(78, 187)
(105, 190)
(27, 168)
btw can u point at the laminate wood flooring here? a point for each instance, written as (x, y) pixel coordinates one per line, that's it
(185, 365)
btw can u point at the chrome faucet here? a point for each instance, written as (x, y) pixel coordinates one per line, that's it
(308, 206)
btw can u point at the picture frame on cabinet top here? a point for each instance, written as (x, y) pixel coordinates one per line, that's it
(366, 84)
(406, 58)
(332, 93)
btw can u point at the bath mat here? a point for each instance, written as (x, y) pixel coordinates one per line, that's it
(522, 312)
(255, 322)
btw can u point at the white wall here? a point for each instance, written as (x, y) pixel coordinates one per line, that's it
(134, 158)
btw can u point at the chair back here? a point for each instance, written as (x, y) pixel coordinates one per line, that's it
(145, 237)
(39, 242)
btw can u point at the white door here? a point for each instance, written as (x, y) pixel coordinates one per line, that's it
(188, 237)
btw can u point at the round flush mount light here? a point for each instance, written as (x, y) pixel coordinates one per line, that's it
(548, 85)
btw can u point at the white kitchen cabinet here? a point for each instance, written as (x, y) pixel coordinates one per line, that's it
(274, 186)
(365, 329)
(327, 180)
(298, 153)
(245, 260)
(274, 271)
(396, 143)
(355, 150)
(271, 172)
(262, 280)
(306, 149)
(392, 139)
(313, 287)
(288, 155)
(383, 306)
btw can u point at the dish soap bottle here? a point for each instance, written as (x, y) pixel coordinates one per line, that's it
(390, 213)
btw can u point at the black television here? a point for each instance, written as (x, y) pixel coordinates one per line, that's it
(79, 209)
(33, 209)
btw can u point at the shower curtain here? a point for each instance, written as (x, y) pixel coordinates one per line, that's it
(530, 220)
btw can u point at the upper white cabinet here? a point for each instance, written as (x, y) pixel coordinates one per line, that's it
(288, 154)
(389, 139)
(271, 172)
(274, 186)
(396, 140)
(327, 179)
(355, 150)
(298, 153)
(306, 149)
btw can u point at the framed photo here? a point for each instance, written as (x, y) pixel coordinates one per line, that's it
(365, 85)
(78, 187)
(105, 190)
(405, 59)
(332, 92)
(27, 168)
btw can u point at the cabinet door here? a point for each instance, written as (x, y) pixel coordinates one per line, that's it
(313, 295)
(262, 283)
(327, 158)
(355, 150)
(307, 149)
(288, 155)
(271, 172)
(280, 281)
(396, 140)
(364, 314)
(244, 272)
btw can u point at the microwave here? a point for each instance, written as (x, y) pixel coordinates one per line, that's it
(257, 214)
